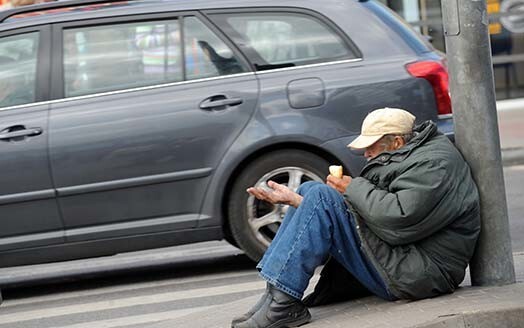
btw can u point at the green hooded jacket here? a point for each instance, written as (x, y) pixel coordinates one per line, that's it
(417, 214)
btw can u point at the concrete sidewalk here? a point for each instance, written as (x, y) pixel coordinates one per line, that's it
(468, 307)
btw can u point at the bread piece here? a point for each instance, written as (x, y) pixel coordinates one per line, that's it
(336, 171)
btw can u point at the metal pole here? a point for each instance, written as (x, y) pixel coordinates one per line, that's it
(476, 133)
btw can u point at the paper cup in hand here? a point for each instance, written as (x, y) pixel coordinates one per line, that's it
(336, 171)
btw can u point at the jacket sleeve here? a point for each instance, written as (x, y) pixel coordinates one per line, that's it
(399, 215)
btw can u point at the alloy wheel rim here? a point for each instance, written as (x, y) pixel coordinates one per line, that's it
(265, 218)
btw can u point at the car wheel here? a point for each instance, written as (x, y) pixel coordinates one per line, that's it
(254, 223)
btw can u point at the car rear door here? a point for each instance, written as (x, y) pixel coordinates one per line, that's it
(314, 80)
(313, 83)
(29, 213)
(147, 108)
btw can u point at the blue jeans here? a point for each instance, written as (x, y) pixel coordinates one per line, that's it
(319, 227)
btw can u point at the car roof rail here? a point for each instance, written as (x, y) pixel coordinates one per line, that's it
(51, 5)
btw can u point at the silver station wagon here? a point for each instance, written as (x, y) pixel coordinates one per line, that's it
(128, 125)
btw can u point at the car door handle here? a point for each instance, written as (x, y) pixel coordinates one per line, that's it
(21, 133)
(213, 103)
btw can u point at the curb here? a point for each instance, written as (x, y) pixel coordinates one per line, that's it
(503, 318)
(512, 156)
(510, 104)
(169, 258)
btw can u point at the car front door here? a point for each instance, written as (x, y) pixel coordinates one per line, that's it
(148, 110)
(29, 213)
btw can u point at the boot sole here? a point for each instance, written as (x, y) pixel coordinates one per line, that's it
(292, 323)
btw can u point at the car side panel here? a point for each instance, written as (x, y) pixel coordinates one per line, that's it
(142, 155)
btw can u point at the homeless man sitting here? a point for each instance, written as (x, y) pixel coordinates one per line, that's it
(405, 229)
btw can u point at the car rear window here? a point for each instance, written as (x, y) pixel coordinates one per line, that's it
(282, 39)
(397, 24)
(125, 56)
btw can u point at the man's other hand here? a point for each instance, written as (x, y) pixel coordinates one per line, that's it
(339, 184)
(276, 194)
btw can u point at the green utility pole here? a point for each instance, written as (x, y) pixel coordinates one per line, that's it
(476, 133)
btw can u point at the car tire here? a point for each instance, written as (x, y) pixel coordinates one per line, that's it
(253, 223)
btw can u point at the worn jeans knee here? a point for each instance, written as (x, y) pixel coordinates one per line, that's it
(304, 188)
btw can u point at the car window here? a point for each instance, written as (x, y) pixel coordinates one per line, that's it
(18, 57)
(115, 57)
(284, 39)
(206, 54)
(123, 56)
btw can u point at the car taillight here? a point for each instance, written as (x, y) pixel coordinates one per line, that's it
(437, 75)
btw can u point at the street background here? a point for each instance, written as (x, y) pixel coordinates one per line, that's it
(206, 284)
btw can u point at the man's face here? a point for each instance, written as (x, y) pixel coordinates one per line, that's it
(386, 143)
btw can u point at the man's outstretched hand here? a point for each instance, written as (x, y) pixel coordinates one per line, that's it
(277, 194)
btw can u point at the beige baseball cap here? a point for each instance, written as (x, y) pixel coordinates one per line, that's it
(380, 122)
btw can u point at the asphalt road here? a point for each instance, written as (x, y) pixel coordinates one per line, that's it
(142, 298)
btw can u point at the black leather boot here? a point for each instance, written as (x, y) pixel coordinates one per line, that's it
(278, 311)
(254, 309)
